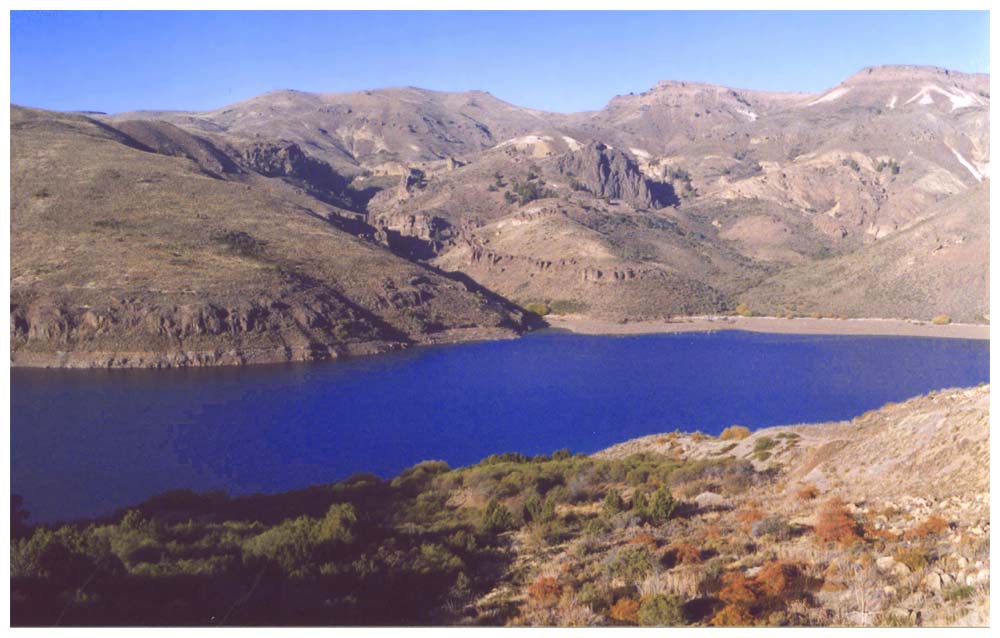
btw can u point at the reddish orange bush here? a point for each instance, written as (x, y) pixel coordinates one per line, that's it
(880, 533)
(835, 524)
(687, 554)
(625, 610)
(735, 432)
(733, 616)
(545, 591)
(749, 515)
(778, 578)
(807, 493)
(645, 538)
(933, 526)
(737, 589)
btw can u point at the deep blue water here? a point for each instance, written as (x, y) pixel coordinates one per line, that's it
(86, 442)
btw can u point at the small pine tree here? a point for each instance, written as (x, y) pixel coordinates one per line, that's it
(661, 506)
(496, 518)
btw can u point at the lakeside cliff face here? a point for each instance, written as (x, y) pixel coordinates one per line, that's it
(878, 521)
(297, 226)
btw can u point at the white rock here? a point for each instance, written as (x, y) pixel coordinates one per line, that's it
(885, 563)
(932, 582)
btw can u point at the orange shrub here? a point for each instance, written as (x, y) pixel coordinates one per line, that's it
(687, 554)
(735, 432)
(778, 578)
(644, 538)
(625, 610)
(545, 591)
(807, 493)
(880, 533)
(835, 524)
(749, 515)
(733, 616)
(933, 526)
(737, 589)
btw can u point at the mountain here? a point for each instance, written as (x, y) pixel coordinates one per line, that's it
(868, 199)
(123, 254)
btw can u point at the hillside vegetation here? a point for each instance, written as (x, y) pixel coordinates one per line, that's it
(879, 521)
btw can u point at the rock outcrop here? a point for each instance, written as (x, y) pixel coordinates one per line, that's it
(610, 173)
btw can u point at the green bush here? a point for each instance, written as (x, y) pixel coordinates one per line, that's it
(539, 309)
(613, 503)
(631, 563)
(660, 610)
(661, 507)
(496, 518)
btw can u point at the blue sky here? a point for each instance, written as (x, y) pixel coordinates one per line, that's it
(573, 61)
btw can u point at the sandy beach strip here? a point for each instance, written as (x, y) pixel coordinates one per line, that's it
(799, 325)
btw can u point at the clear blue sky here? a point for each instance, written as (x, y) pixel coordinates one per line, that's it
(117, 61)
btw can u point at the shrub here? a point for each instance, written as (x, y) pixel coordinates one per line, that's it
(914, 558)
(941, 320)
(763, 444)
(933, 526)
(496, 518)
(749, 515)
(539, 309)
(774, 526)
(807, 493)
(737, 589)
(960, 592)
(239, 242)
(644, 538)
(735, 432)
(733, 616)
(687, 554)
(661, 506)
(625, 610)
(778, 578)
(613, 503)
(836, 524)
(545, 591)
(743, 310)
(762, 447)
(661, 611)
(631, 563)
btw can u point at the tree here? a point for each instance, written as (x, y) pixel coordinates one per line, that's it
(661, 506)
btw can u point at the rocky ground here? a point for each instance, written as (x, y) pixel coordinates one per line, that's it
(878, 521)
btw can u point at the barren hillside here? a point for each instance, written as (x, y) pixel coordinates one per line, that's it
(865, 200)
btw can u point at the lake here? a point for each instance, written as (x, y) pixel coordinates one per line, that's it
(84, 442)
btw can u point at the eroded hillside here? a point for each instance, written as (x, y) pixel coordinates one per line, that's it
(409, 216)
(125, 256)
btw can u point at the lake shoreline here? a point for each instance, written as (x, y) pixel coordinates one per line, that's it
(580, 324)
